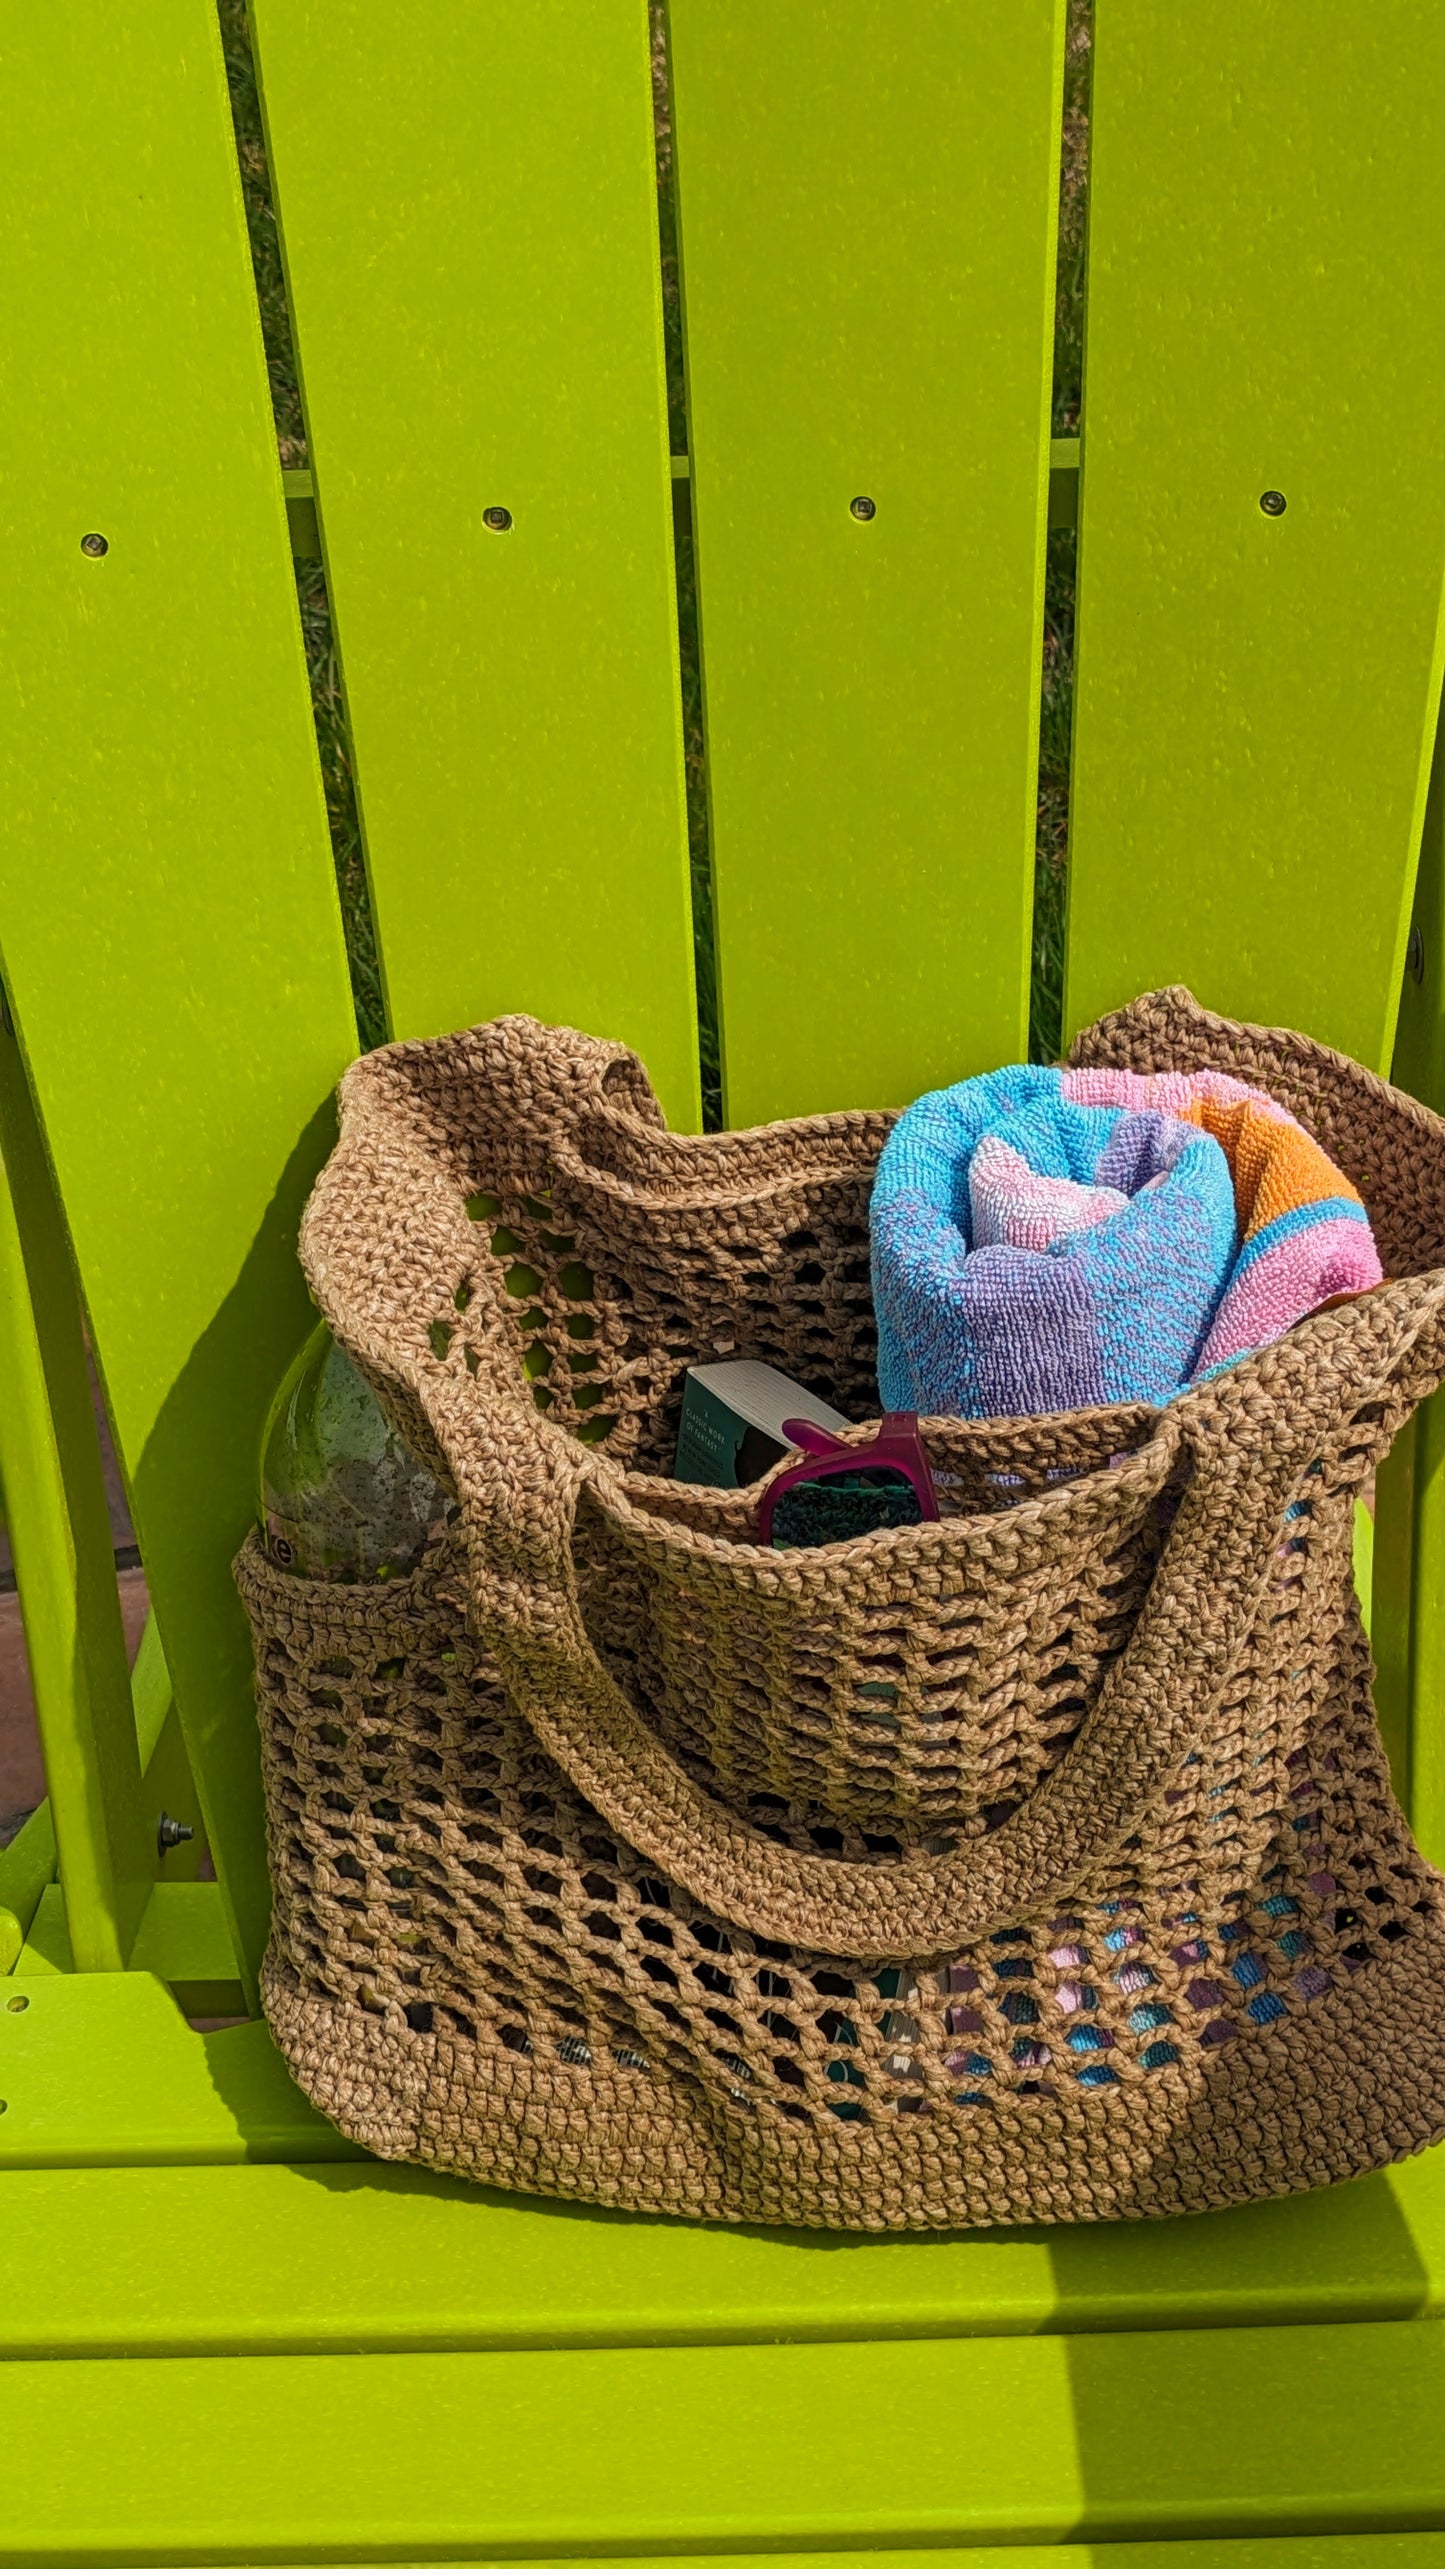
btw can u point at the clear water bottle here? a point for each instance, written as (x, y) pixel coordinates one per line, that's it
(342, 1495)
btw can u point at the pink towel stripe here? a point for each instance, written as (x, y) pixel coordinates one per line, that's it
(1287, 1281)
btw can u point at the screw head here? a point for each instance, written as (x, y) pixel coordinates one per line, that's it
(498, 519)
(863, 507)
(1273, 503)
(95, 545)
(171, 1833)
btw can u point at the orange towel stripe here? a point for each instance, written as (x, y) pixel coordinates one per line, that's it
(1276, 1166)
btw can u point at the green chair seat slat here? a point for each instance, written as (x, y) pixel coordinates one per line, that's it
(921, 2443)
(468, 211)
(867, 206)
(102, 2070)
(384, 2259)
(169, 928)
(1256, 694)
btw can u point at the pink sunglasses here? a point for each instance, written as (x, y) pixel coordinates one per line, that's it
(840, 1491)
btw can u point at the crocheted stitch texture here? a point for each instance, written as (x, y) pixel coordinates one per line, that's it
(1037, 1864)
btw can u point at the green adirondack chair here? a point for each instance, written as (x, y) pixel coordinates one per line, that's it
(229, 2336)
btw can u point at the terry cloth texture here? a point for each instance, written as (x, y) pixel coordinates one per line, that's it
(1039, 1864)
(1304, 1232)
(1047, 1239)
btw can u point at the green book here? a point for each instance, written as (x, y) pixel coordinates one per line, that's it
(732, 1422)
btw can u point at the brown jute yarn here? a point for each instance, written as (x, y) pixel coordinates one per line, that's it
(1037, 1865)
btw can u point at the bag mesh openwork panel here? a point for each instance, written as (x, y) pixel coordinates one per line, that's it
(1038, 1864)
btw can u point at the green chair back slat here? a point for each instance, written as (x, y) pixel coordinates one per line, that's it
(468, 206)
(1256, 694)
(169, 929)
(867, 204)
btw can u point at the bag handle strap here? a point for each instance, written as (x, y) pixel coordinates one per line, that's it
(1251, 1438)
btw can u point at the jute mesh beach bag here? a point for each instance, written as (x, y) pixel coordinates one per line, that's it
(1040, 1864)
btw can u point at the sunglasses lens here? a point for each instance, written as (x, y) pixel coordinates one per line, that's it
(853, 1503)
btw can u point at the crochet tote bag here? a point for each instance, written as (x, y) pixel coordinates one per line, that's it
(1039, 1864)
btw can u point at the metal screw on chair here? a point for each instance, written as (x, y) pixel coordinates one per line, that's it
(95, 545)
(171, 1833)
(864, 508)
(498, 519)
(1415, 955)
(1273, 503)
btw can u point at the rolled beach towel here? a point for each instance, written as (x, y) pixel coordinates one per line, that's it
(1066, 1239)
